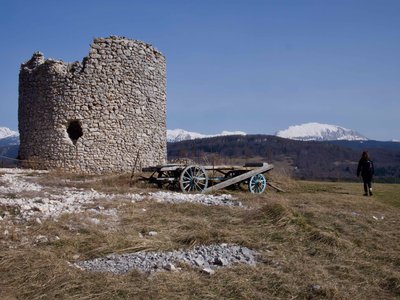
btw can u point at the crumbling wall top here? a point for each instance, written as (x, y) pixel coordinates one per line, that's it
(38, 59)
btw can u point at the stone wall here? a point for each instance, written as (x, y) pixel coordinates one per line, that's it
(102, 115)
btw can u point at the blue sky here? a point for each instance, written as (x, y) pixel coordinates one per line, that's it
(250, 65)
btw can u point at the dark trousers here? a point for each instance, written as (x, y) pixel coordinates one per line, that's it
(367, 183)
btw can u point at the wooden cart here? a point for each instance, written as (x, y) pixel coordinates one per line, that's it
(204, 179)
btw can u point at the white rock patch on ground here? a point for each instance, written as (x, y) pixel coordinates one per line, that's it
(52, 205)
(14, 187)
(206, 258)
(13, 183)
(174, 197)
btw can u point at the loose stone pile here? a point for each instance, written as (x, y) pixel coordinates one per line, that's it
(33, 200)
(42, 203)
(102, 115)
(69, 202)
(173, 197)
(206, 258)
(11, 183)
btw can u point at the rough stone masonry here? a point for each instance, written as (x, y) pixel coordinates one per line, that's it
(102, 115)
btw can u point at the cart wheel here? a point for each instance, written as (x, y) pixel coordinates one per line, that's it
(257, 184)
(193, 179)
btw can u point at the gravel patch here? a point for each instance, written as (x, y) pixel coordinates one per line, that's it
(53, 205)
(14, 187)
(206, 258)
(174, 197)
(13, 183)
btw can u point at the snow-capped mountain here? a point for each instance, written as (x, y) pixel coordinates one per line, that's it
(8, 137)
(320, 132)
(177, 135)
(7, 132)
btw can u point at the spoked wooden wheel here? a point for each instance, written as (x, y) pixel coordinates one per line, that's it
(193, 179)
(257, 184)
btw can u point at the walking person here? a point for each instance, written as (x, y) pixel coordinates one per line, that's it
(366, 170)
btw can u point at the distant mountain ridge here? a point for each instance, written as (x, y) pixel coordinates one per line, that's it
(8, 137)
(178, 135)
(7, 132)
(320, 132)
(9, 141)
(304, 132)
(9, 145)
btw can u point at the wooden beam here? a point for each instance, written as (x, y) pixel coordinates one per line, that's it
(265, 168)
(275, 187)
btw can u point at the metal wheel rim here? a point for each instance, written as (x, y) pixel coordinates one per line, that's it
(257, 184)
(193, 179)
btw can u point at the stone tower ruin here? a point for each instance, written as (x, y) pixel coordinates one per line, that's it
(102, 115)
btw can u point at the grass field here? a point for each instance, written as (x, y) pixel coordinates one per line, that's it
(318, 240)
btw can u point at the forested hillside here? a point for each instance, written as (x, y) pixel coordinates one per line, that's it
(305, 160)
(8, 155)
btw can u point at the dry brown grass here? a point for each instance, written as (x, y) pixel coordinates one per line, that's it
(317, 241)
(113, 183)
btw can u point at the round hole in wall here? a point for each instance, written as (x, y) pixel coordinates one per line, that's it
(74, 130)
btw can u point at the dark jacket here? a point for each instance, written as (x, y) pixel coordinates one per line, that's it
(365, 168)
